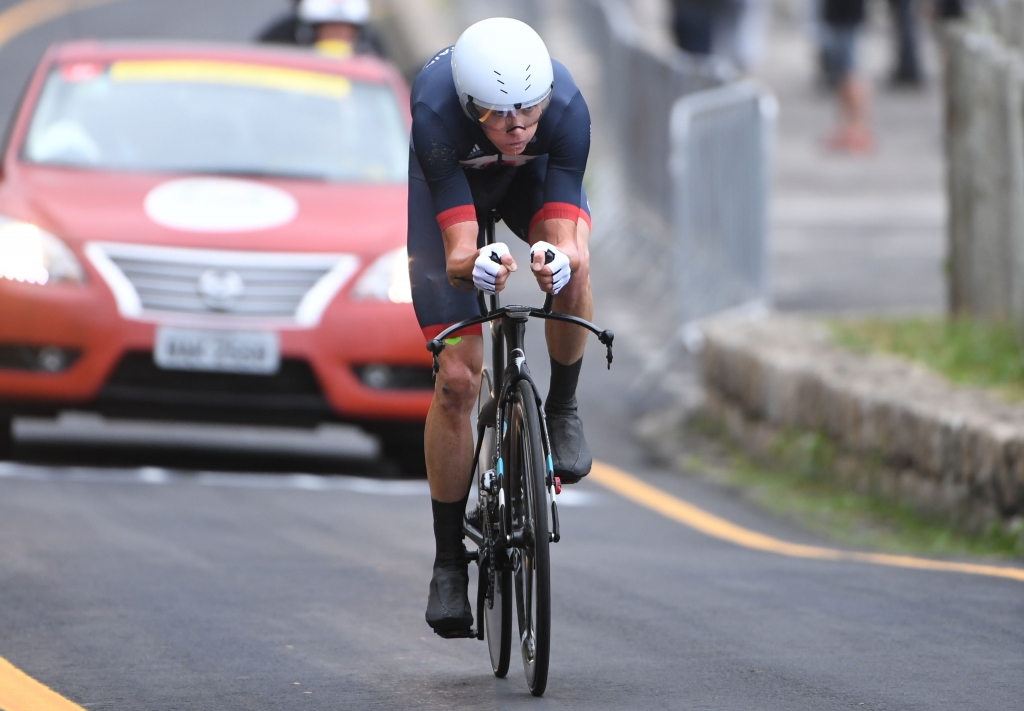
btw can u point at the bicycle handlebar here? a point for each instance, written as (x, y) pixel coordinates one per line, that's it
(436, 345)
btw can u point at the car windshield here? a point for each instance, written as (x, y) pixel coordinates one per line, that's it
(218, 117)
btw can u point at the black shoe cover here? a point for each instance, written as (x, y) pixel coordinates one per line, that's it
(448, 610)
(570, 454)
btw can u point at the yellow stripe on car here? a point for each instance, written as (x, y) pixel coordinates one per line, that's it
(231, 73)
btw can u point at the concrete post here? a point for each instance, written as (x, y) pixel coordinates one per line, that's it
(985, 150)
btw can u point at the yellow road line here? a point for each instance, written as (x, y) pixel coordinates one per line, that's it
(20, 692)
(32, 13)
(687, 514)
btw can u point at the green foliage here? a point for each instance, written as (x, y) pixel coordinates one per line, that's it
(798, 481)
(966, 352)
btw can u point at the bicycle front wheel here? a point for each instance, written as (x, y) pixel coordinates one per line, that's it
(495, 572)
(531, 563)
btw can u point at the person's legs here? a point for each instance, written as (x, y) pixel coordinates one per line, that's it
(449, 451)
(520, 210)
(570, 455)
(448, 436)
(448, 432)
(565, 341)
(853, 129)
(907, 69)
(692, 26)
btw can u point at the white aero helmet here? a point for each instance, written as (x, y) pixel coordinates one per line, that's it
(317, 12)
(501, 64)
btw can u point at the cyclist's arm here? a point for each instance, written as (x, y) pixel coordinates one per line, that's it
(563, 184)
(453, 201)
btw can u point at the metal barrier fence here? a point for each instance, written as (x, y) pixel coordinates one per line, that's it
(694, 153)
(720, 164)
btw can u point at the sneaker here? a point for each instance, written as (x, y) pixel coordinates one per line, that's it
(569, 451)
(448, 610)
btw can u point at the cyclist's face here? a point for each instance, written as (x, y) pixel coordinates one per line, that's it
(511, 131)
(510, 142)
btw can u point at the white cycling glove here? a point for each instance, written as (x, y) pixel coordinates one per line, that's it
(486, 266)
(556, 259)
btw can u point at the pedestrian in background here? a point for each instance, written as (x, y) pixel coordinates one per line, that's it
(692, 25)
(731, 29)
(907, 69)
(840, 30)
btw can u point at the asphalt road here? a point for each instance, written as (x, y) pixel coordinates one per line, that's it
(216, 579)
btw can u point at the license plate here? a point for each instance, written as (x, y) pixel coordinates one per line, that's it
(219, 351)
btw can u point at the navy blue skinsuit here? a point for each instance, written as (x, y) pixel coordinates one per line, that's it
(457, 175)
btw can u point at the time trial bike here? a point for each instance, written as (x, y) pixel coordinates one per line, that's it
(516, 517)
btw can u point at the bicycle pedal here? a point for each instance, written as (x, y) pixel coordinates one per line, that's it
(558, 485)
(469, 633)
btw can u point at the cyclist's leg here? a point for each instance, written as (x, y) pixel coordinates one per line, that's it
(448, 433)
(522, 210)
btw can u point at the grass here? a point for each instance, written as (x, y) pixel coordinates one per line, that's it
(965, 352)
(797, 482)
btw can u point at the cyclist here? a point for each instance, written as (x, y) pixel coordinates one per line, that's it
(497, 124)
(334, 27)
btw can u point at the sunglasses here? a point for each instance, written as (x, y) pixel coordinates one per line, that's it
(511, 119)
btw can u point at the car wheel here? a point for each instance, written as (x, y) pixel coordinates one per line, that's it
(403, 446)
(6, 437)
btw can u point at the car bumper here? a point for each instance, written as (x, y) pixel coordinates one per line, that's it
(323, 375)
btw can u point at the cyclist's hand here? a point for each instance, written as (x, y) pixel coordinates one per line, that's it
(551, 267)
(492, 267)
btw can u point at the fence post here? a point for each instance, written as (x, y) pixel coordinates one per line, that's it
(985, 155)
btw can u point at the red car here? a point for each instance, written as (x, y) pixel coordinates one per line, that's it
(210, 233)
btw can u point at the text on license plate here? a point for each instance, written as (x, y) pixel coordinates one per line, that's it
(223, 351)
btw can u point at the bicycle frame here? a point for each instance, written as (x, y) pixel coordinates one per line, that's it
(509, 367)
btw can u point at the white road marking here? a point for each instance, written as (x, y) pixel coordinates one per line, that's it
(158, 476)
(155, 476)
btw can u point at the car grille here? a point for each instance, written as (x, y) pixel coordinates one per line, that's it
(150, 280)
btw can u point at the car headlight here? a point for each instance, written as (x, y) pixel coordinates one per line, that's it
(33, 256)
(387, 279)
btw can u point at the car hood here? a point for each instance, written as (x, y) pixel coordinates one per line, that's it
(211, 212)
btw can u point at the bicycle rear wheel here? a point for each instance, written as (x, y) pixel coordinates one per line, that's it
(495, 573)
(531, 563)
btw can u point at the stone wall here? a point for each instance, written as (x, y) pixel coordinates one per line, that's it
(902, 432)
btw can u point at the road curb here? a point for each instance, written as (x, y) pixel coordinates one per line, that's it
(901, 431)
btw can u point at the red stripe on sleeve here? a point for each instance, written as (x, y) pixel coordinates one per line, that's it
(559, 211)
(455, 215)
